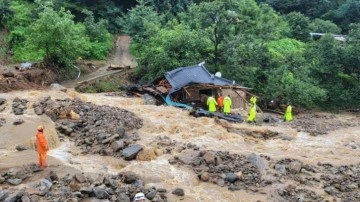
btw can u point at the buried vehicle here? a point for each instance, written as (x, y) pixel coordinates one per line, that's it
(189, 87)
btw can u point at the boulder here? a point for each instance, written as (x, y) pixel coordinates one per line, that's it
(21, 147)
(117, 145)
(178, 192)
(18, 121)
(100, 193)
(2, 101)
(209, 157)
(56, 86)
(231, 177)
(295, 167)
(14, 181)
(130, 152)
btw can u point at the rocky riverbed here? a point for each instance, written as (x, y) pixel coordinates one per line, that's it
(172, 156)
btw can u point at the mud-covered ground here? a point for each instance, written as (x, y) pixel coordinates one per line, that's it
(119, 146)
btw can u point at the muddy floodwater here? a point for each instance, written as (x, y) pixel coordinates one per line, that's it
(340, 146)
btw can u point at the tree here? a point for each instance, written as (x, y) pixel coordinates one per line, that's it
(100, 38)
(5, 12)
(220, 19)
(324, 26)
(170, 48)
(299, 26)
(54, 38)
(141, 22)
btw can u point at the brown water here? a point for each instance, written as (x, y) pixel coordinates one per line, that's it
(178, 125)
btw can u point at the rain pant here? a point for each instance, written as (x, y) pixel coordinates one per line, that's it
(252, 114)
(211, 102)
(42, 148)
(288, 115)
(227, 104)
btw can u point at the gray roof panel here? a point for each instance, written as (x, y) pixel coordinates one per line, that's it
(197, 74)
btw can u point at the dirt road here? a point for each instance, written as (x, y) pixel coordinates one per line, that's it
(121, 57)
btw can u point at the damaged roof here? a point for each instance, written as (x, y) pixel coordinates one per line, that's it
(196, 74)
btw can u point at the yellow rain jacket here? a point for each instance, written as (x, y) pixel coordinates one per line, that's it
(211, 103)
(288, 115)
(227, 104)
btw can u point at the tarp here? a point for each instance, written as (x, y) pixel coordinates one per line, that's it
(196, 74)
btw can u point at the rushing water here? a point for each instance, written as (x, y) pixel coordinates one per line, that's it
(175, 123)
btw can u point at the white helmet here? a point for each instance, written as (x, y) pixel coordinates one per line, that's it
(139, 196)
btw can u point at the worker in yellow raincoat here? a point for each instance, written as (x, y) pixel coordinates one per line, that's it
(227, 104)
(211, 103)
(288, 113)
(252, 114)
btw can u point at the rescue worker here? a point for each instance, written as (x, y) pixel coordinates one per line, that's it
(220, 101)
(288, 115)
(227, 104)
(252, 114)
(253, 100)
(41, 146)
(211, 103)
(139, 197)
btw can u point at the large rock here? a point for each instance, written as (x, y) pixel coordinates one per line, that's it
(130, 177)
(13, 197)
(22, 147)
(117, 145)
(231, 177)
(100, 193)
(209, 157)
(130, 152)
(14, 181)
(18, 121)
(295, 167)
(123, 198)
(188, 156)
(56, 86)
(2, 101)
(8, 73)
(280, 169)
(178, 192)
(149, 100)
(258, 162)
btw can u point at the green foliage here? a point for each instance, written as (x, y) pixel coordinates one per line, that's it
(5, 12)
(285, 49)
(299, 26)
(345, 14)
(16, 25)
(283, 86)
(324, 26)
(55, 37)
(100, 38)
(168, 49)
(140, 22)
(109, 85)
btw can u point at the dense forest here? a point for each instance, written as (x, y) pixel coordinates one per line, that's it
(262, 44)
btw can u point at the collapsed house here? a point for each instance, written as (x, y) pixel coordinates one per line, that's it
(189, 87)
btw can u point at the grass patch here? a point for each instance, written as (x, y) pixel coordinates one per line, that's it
(100, 86)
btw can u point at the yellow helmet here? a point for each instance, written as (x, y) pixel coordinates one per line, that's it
(40, 128)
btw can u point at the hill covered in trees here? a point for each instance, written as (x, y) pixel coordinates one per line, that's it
(265, 45)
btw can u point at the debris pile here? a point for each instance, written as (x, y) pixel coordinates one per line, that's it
(75, 187)
(95, 129)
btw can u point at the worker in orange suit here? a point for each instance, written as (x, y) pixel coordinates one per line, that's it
(41, 146)
(220, 101)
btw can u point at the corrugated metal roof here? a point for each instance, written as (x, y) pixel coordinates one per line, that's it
(197, 74)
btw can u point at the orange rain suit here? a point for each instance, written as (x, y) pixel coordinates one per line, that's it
(42, 148)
